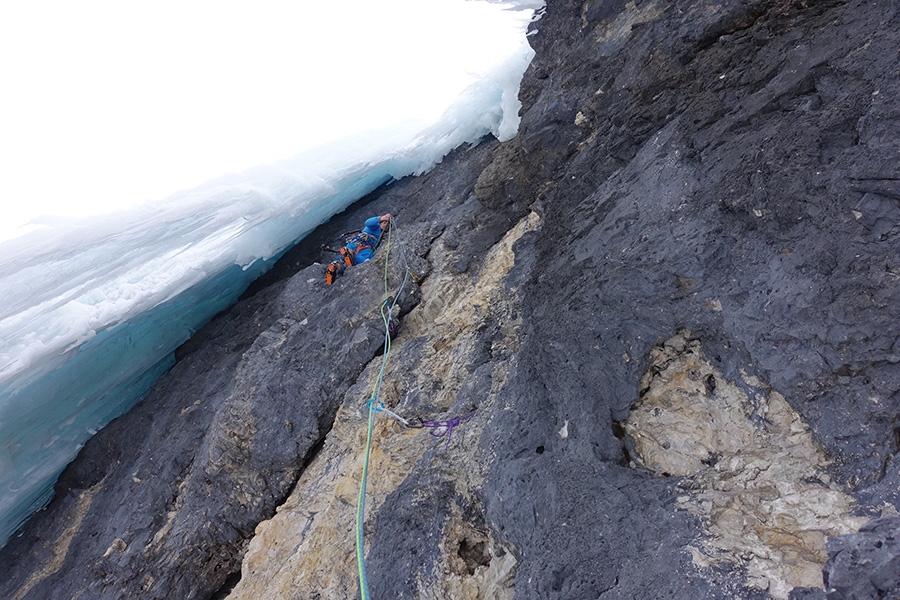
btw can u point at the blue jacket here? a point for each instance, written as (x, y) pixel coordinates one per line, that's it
(373, 229)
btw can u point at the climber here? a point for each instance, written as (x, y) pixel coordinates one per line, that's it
(359, 248)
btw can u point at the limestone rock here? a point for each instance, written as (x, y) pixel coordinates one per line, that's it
(753, 469)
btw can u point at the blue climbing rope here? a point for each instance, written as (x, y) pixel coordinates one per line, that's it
(375, 406)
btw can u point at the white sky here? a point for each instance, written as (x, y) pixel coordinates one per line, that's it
(109, 103)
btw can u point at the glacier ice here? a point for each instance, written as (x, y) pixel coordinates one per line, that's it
(92, 310)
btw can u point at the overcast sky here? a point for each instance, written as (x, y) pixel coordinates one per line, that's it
(109, 103)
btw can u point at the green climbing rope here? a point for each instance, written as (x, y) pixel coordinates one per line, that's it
(443, 428)
(375, 406)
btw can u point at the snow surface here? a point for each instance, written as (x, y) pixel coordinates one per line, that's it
(92, 310)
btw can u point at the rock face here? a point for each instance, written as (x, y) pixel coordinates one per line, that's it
(693, 242)
(866, 564)
(755, 473)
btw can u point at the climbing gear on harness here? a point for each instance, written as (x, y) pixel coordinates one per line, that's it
(354, 245)
(360, 237)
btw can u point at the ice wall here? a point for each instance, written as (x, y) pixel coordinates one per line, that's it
(91, 311)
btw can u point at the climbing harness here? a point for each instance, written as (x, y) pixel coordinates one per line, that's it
(374, 406)
(354, 243)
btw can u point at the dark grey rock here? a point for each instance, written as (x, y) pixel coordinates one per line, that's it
(865, 565)
(807, 594)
